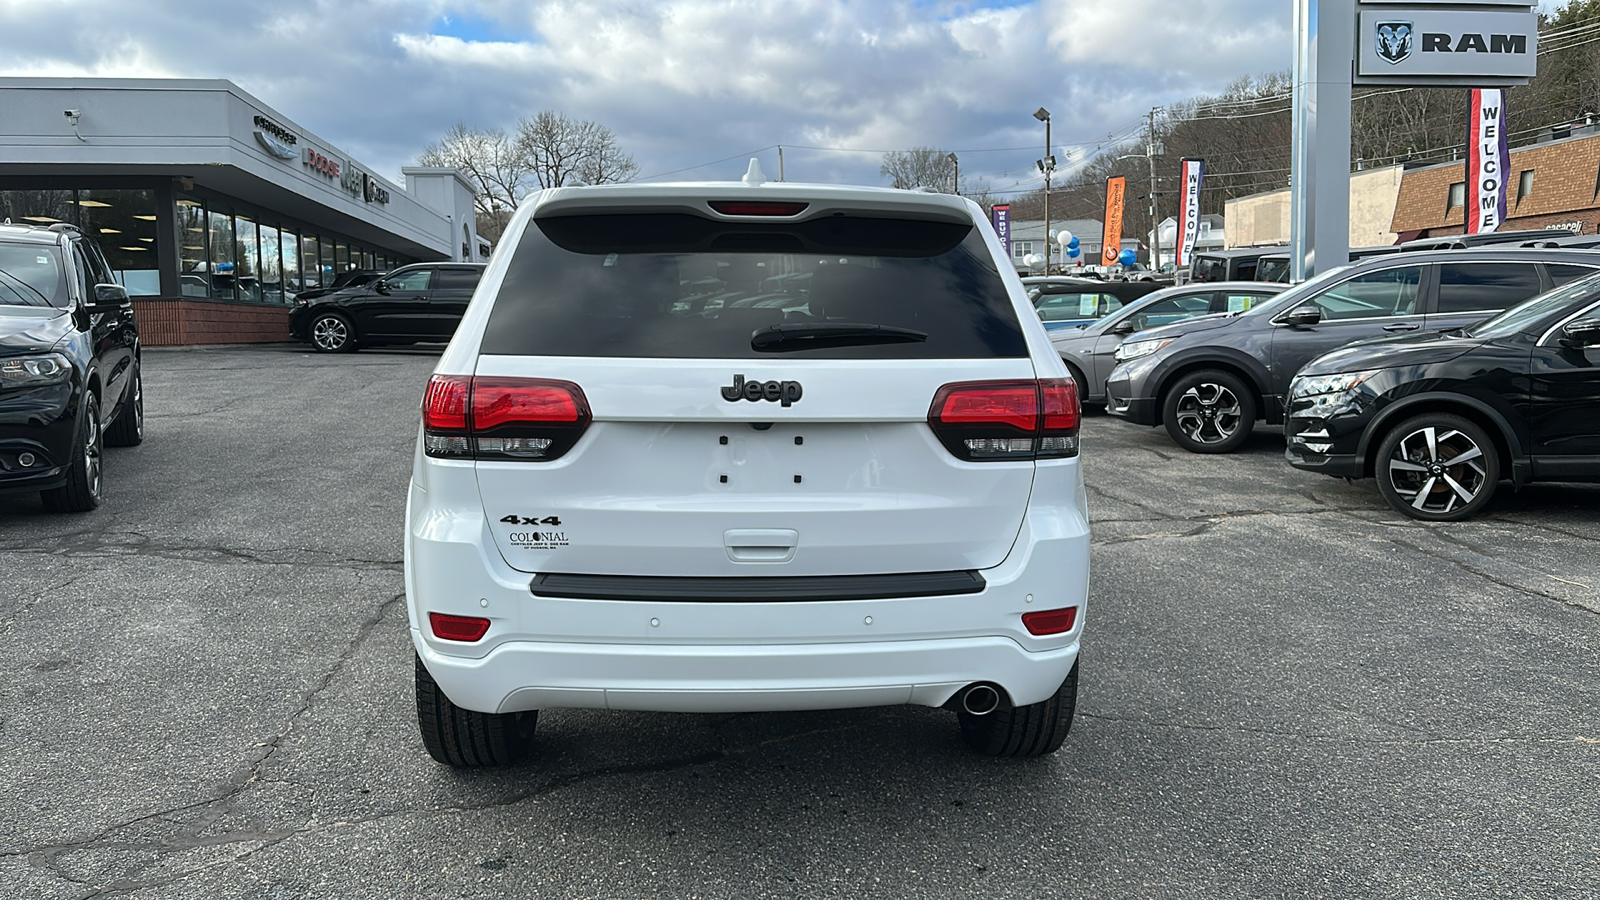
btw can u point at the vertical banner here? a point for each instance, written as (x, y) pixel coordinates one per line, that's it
(1111, 240)
(1002, 225)
(1193, 176)
(1488, 161)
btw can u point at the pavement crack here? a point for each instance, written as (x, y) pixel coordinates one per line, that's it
(1490, 576)
(1320, 736)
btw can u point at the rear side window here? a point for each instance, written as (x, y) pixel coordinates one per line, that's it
(1485, 286)
(458, 279)
(678, 286)
(1076, 305)
(1562, 273)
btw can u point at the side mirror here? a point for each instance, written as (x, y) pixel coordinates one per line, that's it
(109, 297)
(1303, 316)
(1581, 333)
(1126, 326)
(381, 286)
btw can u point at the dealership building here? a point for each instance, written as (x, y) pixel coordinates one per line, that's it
(214, 209)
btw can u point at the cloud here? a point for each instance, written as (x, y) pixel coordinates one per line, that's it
(684, 82)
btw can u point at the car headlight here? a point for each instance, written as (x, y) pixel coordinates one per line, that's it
(1134, 349)
(32, 371)
(1311, 386)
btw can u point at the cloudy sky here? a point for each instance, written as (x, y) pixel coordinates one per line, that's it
(685, 83)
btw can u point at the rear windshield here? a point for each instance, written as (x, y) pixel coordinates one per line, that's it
(1208, 268)
(669, 285)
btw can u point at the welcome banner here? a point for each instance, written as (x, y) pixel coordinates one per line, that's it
(1488, 161)
(1111, 240)
(1193, 175)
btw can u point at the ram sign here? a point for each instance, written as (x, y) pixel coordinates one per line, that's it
(1429, 45)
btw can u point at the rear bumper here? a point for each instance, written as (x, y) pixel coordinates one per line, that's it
(681, 656)
(524, 675)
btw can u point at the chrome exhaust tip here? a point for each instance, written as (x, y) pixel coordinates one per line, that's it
(980, 699)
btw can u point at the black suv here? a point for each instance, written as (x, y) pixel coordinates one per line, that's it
(69, 366)
(1210, 378)
(412, 304)
(1440, 419)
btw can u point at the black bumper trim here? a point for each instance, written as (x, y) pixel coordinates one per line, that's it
(757, 589)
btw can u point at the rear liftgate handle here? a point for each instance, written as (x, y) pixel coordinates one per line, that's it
(770, 545)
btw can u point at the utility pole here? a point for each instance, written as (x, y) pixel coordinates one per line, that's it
(1155, 225)
(780, 162)
(1046, 165)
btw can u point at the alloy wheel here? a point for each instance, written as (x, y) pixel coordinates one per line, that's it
(1209, 413)
(330, 333)
(1437, 470)
(92, 446)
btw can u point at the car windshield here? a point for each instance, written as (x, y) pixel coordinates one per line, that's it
(1300, 291)
(1519, 317)
(32, 275)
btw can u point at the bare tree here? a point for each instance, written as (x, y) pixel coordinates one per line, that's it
(561, 150)
(494, 166)
(919, 167)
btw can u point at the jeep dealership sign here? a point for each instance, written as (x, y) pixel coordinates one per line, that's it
(1444, 45)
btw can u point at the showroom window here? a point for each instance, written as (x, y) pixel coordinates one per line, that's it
(271, 273)
(224, 255)
(341, 258)
(194, 279)
(290, 243)
(310, 262)
(37, 207)
(247, 270)
(123, 223)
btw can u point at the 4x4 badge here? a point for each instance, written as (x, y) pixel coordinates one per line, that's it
(784, 392)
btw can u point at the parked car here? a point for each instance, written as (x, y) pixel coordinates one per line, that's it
(1088, 349)
(870, 499)
(1440, 419)
(69, 366)
(1228, 265)
(352, 278)
(1208, 380)
(1065, 302)
(413, 304)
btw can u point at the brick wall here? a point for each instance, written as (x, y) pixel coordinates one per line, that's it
(167, 323)
(1566, 189)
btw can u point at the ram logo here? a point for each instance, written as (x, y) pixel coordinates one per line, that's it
(1394, 41)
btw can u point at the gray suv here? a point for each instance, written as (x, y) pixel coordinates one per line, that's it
(1088, 349)
(1209, 379)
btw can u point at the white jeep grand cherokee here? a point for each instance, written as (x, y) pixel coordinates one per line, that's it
(733, 447)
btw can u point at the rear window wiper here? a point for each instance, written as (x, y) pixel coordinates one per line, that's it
(818, 335)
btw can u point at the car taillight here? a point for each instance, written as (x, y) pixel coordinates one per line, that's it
(536, 419)
(749, 208)
(1050, 621)
(458, 628)
(993, 420)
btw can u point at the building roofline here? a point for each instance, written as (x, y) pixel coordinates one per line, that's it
(408, 171)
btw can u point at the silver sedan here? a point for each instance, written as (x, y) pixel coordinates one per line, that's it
(1087, 349)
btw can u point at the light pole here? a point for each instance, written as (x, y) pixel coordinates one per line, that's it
(1152, 149)
(1046, 165)
(956, 163)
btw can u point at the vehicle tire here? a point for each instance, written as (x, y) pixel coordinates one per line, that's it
(466, 739)
(1437, 467)
(85, 468)
(128, 429)
(332, 333)
(1081, 381)
(1210, 411)
(1025, 731)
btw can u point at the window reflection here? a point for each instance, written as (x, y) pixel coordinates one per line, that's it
(123, 223)
(223, 255)
(310, 262)
(271, 272)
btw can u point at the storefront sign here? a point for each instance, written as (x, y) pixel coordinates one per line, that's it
(276, 139)
(1430, 45)
(322, 165)
(350, 180)
(373, 190)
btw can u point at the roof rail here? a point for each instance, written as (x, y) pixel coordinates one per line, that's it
(66, 228)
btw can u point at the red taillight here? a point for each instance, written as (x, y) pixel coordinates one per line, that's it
(749, 208)
(1050, 621)
(993, 420)
(535, 419)
(458, 628)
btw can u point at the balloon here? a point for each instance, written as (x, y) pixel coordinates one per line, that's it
(1033, 260)
(1074, 252)
(1127, 257)
(1065, 238)
(1073, 244)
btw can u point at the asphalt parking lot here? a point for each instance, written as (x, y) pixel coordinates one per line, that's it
(1287, 690)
